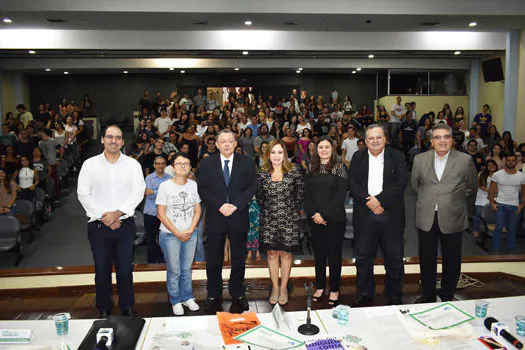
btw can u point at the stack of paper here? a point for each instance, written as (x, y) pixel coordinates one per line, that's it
(15, 336)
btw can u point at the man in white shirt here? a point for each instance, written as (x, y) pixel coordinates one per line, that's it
(110, 186)
(397, 115)
(507, 183)
(163, 124)
(377, 180)
(349, 146)
(24, 116)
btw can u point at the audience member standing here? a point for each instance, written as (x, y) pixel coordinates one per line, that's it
(484, 120)
(505, 198)
(397, 115)
(151, 222)
(226, 185)
(179, 210)
(110, 186)
(324, 204)
(443, 179)
(49, 148)
(377, 181)
(280, 195)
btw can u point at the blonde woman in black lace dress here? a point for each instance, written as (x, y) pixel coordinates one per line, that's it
(280, 195)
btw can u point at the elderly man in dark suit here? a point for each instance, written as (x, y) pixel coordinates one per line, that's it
(443, 179)
(377, 180)
(227, 182)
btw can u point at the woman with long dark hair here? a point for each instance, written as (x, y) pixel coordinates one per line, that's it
(324, 203)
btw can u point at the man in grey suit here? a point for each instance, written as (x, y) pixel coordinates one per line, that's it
(442, 178)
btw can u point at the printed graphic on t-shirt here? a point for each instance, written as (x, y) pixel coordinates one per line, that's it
(180, 208)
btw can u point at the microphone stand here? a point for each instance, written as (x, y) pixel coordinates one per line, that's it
(308, 328)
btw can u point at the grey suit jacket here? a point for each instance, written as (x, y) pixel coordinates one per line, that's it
(459, 180)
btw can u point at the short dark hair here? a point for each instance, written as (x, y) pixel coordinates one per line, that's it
(48, 132)
(20, 106)
(507, 154)
(112, 126)
(472, 141)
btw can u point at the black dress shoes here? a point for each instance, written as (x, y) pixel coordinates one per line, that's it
(395, 301)
(423, 300)
(239, 305)
(129, 312)
(363, 301)
(103, 313)
(212, 306)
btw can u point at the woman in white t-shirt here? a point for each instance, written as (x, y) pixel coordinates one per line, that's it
(179, 211)
(27, 180)
(482, 196)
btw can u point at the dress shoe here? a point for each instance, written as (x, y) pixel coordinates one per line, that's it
(363, 301)
(213, 305)
(103, 313)
(244, 303)
(395, 301)
(423, 300)
(129, 312)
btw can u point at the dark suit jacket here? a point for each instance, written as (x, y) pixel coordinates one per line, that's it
(213, 191)
(395, 179)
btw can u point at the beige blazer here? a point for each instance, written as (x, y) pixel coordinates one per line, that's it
(459, 181)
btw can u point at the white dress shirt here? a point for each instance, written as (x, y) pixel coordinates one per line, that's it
(376, 166)
(439, 165)
(230, 163)
(105, 186)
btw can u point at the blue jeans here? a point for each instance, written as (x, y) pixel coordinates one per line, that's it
(179, 257)
(506, 216)
(476, 222)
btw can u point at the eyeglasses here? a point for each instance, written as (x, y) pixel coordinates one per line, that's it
(182, 165)
(163, 163)
(111, 137)
(442, 137)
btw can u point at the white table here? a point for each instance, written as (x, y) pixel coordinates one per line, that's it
(45, 335)
(379, 327)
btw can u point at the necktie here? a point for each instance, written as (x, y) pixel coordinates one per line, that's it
(226, 171)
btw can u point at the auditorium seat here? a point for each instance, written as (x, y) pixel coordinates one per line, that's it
(10, 238)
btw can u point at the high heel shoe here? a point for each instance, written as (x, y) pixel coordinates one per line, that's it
(274, 297)
(283, 296)
(319, 298)
(334, 302)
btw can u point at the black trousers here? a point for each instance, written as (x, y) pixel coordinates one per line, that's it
(113, 247)
(216, 237)
(151, 226)
(378, 231)
(327, 243)
(451, 261)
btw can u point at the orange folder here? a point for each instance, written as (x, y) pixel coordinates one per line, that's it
(232, 325)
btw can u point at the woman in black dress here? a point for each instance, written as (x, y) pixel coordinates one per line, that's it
(280, 196)
(324, 203)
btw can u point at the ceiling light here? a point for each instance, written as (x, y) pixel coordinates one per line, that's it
(172, 68)
(125, 72)
(48, 69)
(32, 52)
(247, 23)
(236, 69)
(297, 71)
(473, 24)
(245, 53)
(300, 68)
(353, 72)
(7, 20)
(66, 73)
(358, 69)
(371, 56)
(182, 71)
(457, 52)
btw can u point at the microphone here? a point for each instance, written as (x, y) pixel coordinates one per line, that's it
(500, 328)
(308, 328)
(104, 339)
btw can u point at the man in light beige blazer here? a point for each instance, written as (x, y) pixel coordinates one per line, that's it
(443, 179)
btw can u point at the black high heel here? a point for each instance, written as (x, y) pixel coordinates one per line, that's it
(334, 302)
(320, 298)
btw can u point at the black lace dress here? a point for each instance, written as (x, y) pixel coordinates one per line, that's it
(280, 202)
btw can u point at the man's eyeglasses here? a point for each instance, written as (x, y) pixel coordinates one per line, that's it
(441, 137)
(111, 137)
(182, 165)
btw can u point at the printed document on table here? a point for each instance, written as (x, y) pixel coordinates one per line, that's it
(442, 316)
(265, 337)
